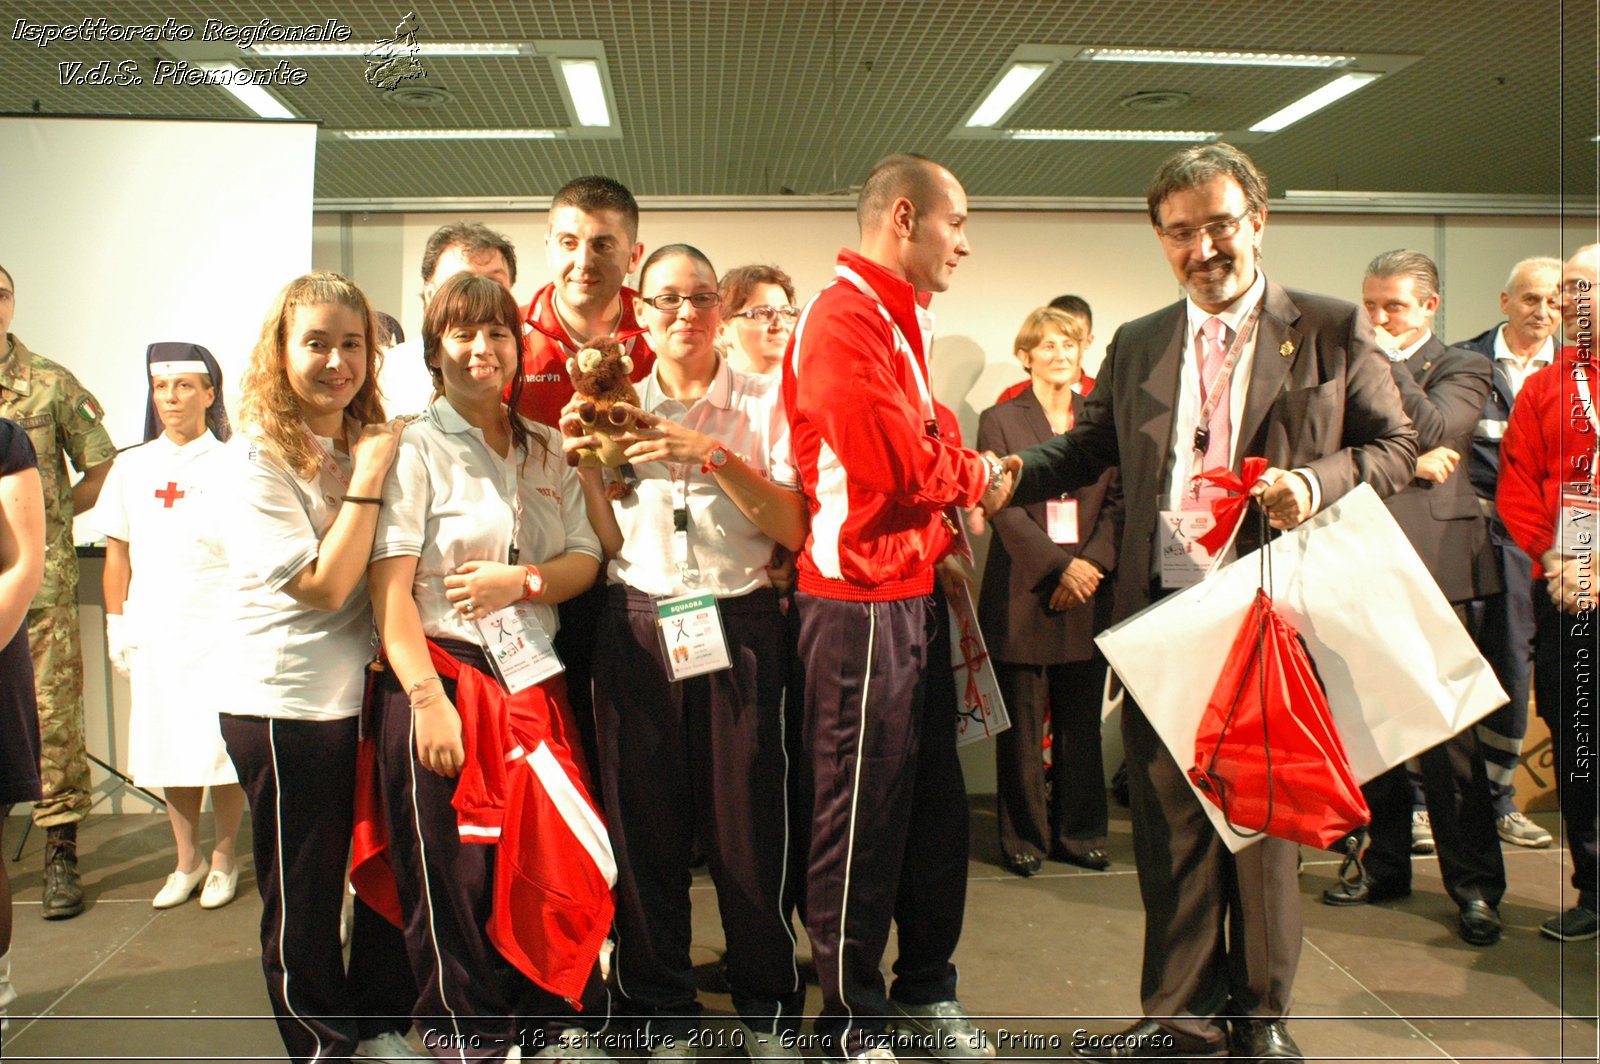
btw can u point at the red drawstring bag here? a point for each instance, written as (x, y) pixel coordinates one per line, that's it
(1266, 751)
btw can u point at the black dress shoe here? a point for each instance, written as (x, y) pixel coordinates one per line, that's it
(1023, 864)
(1363, 893)
(1145, 1040)
(1263, 1040)
(1096, 859)
(1480, 924)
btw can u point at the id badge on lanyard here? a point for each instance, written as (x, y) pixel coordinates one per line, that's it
(1184, 562)
(692, 640)
(518, 648)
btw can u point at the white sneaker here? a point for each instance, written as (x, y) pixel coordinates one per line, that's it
(1520, 831)
(942, 1030)
(875, 1055)
(574, 1043)
(1421, 832)
(219, 889)
(178, 887)
(390, 1046)
(8, 993)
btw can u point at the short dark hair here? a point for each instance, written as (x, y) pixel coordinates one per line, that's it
(667, 251)
(1075, 305)
(388, 328)
(10, 280)
(1196, 165)
(472, 237)
(598, 193)
(739, 283)
(1404, 262)
(904, 174)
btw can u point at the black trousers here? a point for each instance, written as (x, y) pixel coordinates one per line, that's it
(709, 750)
(471, 1004)
(1461, 811)
(1075, 817)
(299, 778)
(1565, 655)
(885, 838)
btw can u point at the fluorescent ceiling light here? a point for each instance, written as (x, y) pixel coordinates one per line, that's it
(1312, 102)
(1178, 55)
(312, 49)
(1011, 87)
(236, 79)
(1188, 136)
(446, 134)
(587, 90)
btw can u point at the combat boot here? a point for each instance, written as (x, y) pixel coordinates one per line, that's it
(63, 891)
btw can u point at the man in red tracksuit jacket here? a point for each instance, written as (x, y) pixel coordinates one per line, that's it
(1546, 497)
(880, 485)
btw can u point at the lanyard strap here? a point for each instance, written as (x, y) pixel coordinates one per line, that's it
(680, 474)
(501, 467)
(1219, 384)
(329, 465)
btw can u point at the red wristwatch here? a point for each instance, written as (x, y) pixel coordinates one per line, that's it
(532, 582)
(716, 459)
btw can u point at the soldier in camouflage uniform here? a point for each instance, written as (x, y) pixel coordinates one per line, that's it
(63, 421)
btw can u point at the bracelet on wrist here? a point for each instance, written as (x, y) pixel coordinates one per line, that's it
(418, 703)
(367, 499)
(420, 684)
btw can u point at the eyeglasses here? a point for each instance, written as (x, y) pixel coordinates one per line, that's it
(671, 301)
(766, 315)
(1217, 231)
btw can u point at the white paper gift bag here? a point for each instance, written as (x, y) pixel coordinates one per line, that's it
(1401, 673)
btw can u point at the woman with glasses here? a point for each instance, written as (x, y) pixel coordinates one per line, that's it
(1039, 609)
(758, 314)
(690, 712)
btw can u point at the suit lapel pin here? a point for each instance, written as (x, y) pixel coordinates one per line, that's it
(1286, 349)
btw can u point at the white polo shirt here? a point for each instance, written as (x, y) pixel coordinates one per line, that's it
(450, 499)
(286, 659)
(725, 551)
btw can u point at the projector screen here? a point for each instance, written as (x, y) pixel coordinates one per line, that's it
(121, 232)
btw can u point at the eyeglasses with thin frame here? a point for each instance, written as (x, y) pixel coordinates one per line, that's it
(765, 314)
(1218, 231)
(671, 301)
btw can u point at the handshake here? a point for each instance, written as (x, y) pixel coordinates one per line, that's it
(1002, 481)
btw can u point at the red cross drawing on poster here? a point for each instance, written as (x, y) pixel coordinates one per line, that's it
(169, 495)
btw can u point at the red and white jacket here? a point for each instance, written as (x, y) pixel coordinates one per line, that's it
(1550, 441)
(520, 788)
(876, 480)
(546, 385)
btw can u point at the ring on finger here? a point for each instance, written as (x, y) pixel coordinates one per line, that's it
(467, 605)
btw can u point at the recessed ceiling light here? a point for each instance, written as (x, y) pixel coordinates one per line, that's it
(1312, 102)
(1012, 86)
(1214, 58)
(1188, 136)
(308, 50)
(240, 82)
(587, 89)
(1159, 100)
(446, 134)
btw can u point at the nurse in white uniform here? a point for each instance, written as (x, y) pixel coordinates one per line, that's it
(165, 578)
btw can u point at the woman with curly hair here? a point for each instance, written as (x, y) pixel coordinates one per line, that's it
(307, 473)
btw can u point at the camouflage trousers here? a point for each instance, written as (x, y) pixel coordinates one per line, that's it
(57, 648)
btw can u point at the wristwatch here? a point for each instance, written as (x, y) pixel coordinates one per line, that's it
(717, 459)
(532, 582)
(997, 471)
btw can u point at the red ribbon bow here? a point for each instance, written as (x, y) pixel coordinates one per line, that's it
(1229, 510)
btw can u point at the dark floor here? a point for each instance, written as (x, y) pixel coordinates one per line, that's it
(1041, 958)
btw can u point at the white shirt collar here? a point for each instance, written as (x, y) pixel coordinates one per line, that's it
(1406, 352)
(1235, 312)
(1543, 357)
(719, 394)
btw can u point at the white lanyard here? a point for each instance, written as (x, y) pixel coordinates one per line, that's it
(329, 465)
(689, 574)
(501, 467)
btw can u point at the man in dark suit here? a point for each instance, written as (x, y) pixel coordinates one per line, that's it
(1502, 624)
(1443, 390)
(1310, 392)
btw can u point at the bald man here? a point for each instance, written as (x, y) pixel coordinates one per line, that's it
(1547, 498)
(1502, 625)
(881, 486)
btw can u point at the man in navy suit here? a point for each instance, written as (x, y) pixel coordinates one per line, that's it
(1502, 625)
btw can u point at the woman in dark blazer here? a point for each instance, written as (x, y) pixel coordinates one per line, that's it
(1041, 604)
